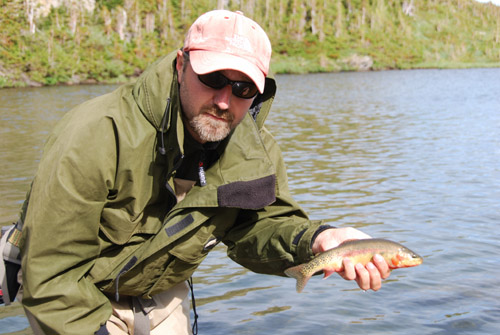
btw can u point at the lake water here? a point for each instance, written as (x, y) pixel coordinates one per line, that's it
(413, 156)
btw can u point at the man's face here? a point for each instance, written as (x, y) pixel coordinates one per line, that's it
(209, 114)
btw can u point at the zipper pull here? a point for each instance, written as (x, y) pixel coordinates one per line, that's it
(201, 174)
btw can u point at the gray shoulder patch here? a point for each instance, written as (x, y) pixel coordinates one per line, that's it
(254, 194)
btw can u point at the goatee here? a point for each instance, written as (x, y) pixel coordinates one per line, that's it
(212, 124)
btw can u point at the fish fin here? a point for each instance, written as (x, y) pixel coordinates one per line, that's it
(328, 273)
(296, 272)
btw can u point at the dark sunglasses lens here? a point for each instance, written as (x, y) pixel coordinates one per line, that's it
(241, 89)
(213, 80)
(244, 90)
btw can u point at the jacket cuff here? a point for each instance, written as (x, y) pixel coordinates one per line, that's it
(320, 229)
(305, 239)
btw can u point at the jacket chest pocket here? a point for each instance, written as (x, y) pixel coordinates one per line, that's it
(161, 263)
(184, 258)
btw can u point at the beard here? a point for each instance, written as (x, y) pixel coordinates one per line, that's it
(209, 128)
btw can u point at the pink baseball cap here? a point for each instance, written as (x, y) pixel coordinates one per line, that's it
(224, 40)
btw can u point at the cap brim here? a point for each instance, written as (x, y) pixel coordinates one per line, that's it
(203, 62)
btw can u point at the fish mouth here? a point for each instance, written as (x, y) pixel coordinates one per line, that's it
(412, 262)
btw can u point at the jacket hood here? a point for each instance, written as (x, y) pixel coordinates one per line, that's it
(154, 88)
(158, 85)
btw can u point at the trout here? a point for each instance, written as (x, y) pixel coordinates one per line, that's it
(358, 251)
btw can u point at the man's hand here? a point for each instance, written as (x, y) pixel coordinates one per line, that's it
(369, 276)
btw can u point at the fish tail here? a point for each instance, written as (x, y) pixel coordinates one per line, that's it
(296, 272)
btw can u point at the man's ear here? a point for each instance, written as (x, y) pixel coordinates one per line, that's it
(179, 65)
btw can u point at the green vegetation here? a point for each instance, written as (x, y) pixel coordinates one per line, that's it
(94, 41)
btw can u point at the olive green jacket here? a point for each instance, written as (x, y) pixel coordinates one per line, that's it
(101, 220)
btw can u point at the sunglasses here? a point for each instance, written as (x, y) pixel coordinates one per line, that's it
(240, 89)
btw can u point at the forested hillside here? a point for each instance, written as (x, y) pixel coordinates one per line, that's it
(47, 42)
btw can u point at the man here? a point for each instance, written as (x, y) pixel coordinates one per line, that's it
(137, 186)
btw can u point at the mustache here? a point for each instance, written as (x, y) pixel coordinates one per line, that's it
(220, 113)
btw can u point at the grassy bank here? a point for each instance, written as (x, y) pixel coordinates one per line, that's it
(97, 41)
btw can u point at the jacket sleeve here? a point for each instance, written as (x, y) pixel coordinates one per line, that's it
(278, 236)
(60, 236)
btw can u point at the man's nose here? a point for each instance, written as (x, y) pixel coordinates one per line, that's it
(223, 97)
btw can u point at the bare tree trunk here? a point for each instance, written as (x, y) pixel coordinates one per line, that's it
(50, 42)
(29, 7)
(321, 22)
(408, 8)
(163, 16)
(249, 9)
(183, 11)
(167, 26)
(339, 24)
(106, 16)
(297, 23)
(362, 23)
(314, 17)
(318, 9)
(73, 19)
(137, 24)
(150, 23)
(58, 25)
(302, 21)
(281, 16)
(121, 22)
(267, 10)
(497, 36)
(292, 23)
(171, 24)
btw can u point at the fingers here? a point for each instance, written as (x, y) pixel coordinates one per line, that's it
(382, 266)
(349, 272)
(367, 277)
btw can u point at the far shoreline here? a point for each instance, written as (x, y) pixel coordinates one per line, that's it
(278, 68)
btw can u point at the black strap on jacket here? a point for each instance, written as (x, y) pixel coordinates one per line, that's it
(195, 322)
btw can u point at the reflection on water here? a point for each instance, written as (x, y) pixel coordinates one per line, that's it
(271, 310)
(230, 295)
(413, 156)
